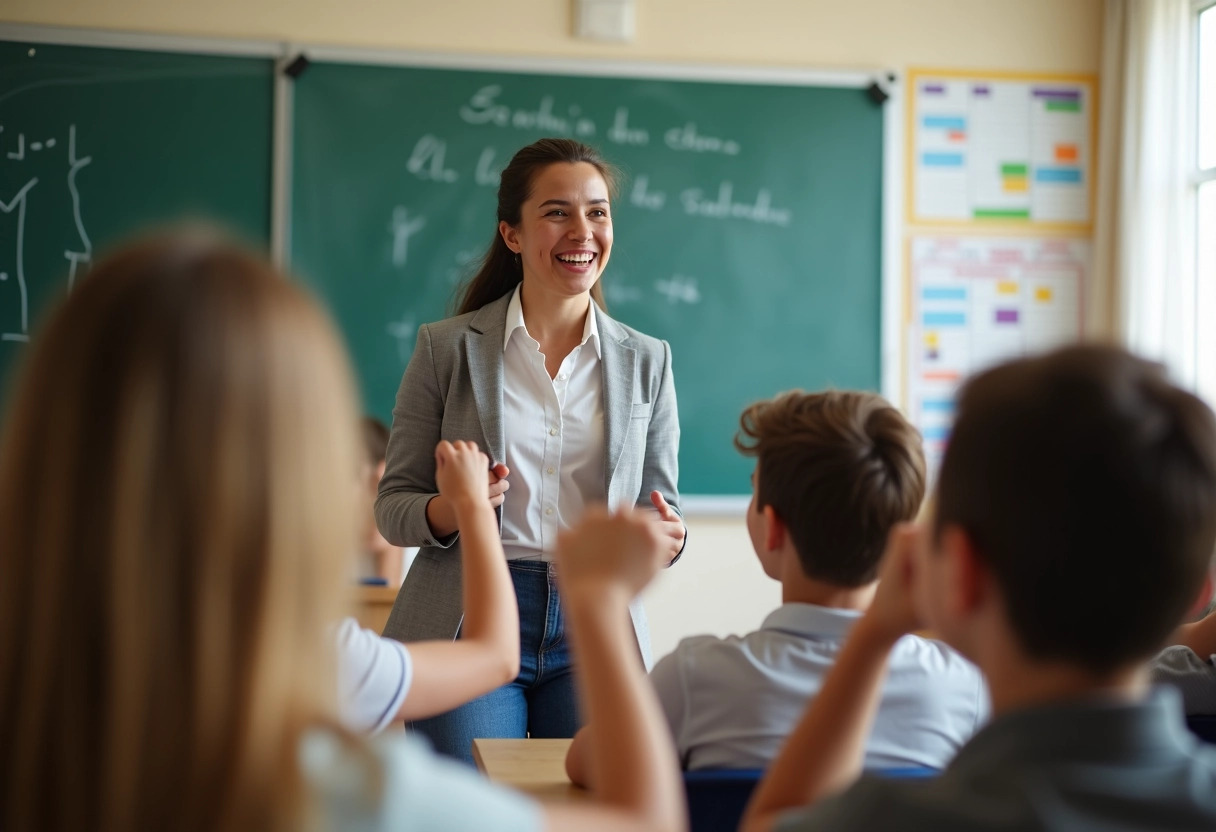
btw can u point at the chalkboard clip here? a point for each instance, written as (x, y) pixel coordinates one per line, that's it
(296, 66)
(877, 93)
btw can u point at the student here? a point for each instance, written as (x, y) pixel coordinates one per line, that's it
(189, 413)
(1075, 515)
(381, 559)
(834, 472)
(382, 680)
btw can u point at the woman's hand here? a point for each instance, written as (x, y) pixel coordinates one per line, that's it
(498, 483)
(670, 526)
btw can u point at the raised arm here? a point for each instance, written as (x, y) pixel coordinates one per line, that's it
(450, 673)
(603, 563)
(825, 752)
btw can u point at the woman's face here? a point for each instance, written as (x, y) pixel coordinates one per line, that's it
(564, 236)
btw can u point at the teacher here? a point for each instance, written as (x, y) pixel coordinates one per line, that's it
(572, 407)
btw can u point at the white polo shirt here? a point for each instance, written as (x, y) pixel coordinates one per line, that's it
(732, 702)
(554, 435)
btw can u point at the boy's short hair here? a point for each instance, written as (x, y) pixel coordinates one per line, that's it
(1087, 483)
(375, 439)
(839, 468)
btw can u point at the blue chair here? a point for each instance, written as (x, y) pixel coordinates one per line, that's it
(1203, 727)
(717, 797)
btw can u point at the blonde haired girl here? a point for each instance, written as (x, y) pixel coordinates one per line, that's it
(176, 472)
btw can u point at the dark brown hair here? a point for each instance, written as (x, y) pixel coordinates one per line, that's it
(500, 270)
(840, 468)
(1087, 483)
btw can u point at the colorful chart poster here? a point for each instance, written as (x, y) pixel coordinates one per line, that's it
(1001, 150)
(975, 302)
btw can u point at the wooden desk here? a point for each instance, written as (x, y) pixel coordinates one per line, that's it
(535, 767)
(373, 604)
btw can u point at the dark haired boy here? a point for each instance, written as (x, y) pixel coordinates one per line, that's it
(835, 471)
(1075, 516)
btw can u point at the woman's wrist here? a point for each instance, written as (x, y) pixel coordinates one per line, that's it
(441, 517)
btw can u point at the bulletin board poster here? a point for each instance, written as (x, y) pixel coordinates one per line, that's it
(977, 301)
(1002, 149)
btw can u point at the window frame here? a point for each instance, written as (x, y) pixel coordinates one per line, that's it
(1205, 285)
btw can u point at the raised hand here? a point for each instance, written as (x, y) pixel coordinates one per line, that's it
(607, 551)
(894, 609)
(460, 470)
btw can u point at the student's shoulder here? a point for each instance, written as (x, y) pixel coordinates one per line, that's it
(399, 783)
(702, 654)
(932, 656)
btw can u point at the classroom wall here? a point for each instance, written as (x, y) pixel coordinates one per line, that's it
(717, 587)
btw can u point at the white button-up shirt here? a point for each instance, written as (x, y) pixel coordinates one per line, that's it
(554, 435)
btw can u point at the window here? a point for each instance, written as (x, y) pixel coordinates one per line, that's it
(1204, 182)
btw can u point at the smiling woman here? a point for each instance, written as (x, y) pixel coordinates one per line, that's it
(572, 408)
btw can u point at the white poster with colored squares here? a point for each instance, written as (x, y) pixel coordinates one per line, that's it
(975, 302)
(1008, 151)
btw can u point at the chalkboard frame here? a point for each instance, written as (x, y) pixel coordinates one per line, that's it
(892, 279)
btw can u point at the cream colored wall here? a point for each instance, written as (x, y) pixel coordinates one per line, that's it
(717, 587)
(1055, 35)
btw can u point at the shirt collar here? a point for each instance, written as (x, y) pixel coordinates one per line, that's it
(515, 320)
(811, 620)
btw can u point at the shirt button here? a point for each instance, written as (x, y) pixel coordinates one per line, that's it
(550, 470)
(561, 377)
(549, 510)
(553, 431)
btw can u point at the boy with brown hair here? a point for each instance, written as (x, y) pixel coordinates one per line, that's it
(835, 471)
(1075, 516)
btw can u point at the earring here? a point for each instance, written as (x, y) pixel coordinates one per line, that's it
(519, 260)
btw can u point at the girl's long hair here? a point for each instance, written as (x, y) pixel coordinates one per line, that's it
(177, 477)
(500, 270)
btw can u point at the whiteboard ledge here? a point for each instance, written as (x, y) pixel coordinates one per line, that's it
(714, 505)
(69, 36)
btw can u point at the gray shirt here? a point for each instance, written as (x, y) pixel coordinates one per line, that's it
(1078, 766)
(1193, 676)
(732, 702)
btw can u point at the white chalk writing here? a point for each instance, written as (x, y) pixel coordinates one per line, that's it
(724, 207)
(427, 160)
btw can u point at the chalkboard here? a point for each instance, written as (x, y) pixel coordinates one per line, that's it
(748, 234)
(96, 143)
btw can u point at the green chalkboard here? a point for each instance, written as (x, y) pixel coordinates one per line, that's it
(748, 233)
(96, 143)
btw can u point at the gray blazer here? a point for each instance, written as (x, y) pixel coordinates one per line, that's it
(452, 389)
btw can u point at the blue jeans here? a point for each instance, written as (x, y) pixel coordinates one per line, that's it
(541, 702)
